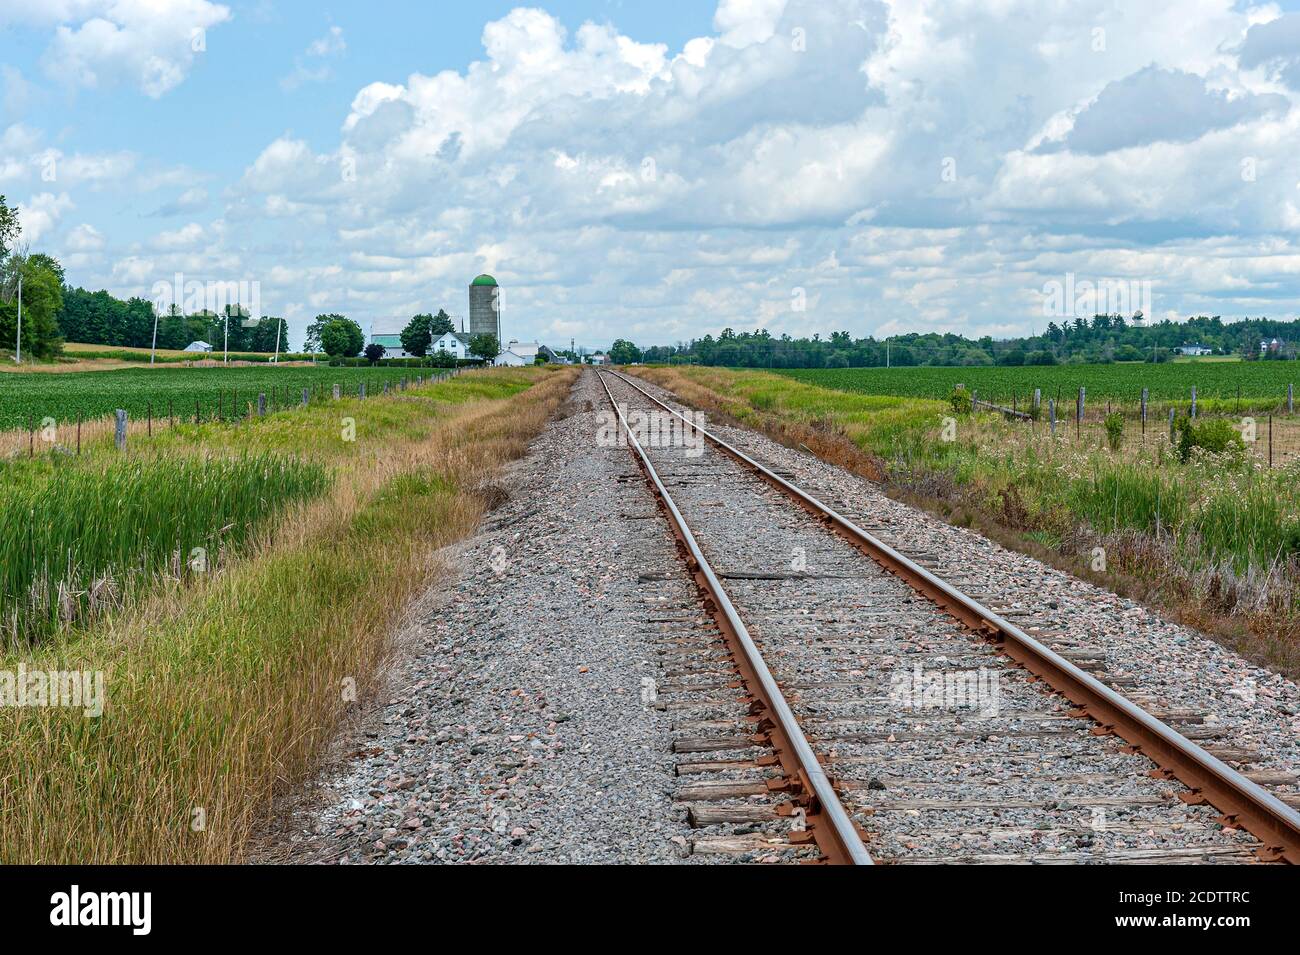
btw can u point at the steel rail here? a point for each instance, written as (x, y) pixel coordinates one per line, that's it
(839, 840)
(1243, 803)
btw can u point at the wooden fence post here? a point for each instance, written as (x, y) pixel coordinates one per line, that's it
(119, 430)
(361, 390)
(261, 405)
(1270, 442)
(306, 396)
(1290, 399)
(1078, 411)
(1144, 412)
(336, 392)
(1193, 402)
(1171, 425)
(1051, 414)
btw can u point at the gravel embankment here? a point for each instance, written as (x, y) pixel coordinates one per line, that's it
(515, 729)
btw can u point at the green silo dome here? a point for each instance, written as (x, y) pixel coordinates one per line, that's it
(484, 279)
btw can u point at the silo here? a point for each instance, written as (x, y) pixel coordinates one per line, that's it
(485, 307)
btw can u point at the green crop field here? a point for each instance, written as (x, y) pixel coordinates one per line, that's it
(1260, 383)
(28, 397)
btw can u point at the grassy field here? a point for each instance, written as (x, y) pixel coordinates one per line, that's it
(1215, 538)
(77, 349)
(30, 397)
(79, 356)
(1262, 384)
(223, 684)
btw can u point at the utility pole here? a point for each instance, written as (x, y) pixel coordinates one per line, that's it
(225, 348)
(279, 323)
(154, 347)
(18, 349)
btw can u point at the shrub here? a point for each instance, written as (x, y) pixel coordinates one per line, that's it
(960, 400)
(1114, 430)
(1215, 435)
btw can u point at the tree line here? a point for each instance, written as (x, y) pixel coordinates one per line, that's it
(1100, 340)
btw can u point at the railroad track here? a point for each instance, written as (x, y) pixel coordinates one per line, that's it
(833, 700)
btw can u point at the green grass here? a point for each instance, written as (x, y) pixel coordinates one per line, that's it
(29, 397)
(1263, 383)
(78, 535)
(222, 693)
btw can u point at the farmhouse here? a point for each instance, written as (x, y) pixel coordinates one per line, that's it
(455, 344)
(1195, 350)
(524, 353)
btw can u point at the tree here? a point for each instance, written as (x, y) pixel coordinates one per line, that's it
(42, 299)
(417, 336)
(623, 352)
(9, 228)
(312, 342)
(374, 352)
(341, 338)
(442, 359)
(263, 336)
(441, 325)
(484, 346)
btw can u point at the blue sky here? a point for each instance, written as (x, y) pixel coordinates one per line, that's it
(663, 170)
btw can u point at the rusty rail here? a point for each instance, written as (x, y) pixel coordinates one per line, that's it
(1241, 802)
(827, 822)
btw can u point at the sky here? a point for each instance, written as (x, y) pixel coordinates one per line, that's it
(660, 171)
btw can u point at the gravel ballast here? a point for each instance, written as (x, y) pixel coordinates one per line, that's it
(514, 728)
(1163, 664)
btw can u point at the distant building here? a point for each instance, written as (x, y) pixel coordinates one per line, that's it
(455, 344)
(1272, 347)
(512, 359)
(198, 346)
(525, 353)
(1195, 350)
(392, 345)
(598, 358)
(485, 307)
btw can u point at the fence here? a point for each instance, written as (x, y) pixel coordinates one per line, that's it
(226, 407)
(1270, 429)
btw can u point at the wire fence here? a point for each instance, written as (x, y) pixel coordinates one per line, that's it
(1270, 431)
(227, 407)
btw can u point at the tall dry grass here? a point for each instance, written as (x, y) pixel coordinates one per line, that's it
(222, 696)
